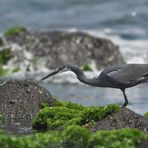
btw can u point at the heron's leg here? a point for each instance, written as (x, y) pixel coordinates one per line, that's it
(125, 98)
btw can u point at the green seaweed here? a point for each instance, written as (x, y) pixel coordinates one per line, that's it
(146, 115)
(66, 113)
(54, 117)
(123, 138)
(66, 126)
(5, 55)
(39, 140)
(87, 67)
(2, 120)
(70, 105)
(97, 113)
(3, 71)
(75, 136)
(16, 69)
(14, 30)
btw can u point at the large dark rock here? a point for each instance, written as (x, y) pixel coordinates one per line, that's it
(22, 99)
(64, 47)
(125, 118)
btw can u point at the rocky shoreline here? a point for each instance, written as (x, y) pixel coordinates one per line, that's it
(65, 124)
(29, 51)
(26, 100)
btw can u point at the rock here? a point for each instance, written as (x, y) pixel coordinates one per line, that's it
(75, 48)
(1, 41)
(22, 99)
(125, 118)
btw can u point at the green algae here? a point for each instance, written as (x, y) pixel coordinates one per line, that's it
(123, 138)
(146, 115)
(91, 114)
(75, 136)
(14, 30)
(39, 140)
(3, 71)
(2, 120)
(16, 69)
(54, 117)
(87, 67)
(70, 105)
(66, 113)
(5, 55)
(66, 126)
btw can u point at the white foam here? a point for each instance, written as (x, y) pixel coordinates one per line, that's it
(133, 51)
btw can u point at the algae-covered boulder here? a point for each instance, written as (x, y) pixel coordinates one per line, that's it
(67, 113)
(123, 138)
(68, 125)
(77, 137)
(60, 47)
(22, 99)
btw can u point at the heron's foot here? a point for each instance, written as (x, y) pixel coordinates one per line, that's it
(124, 105)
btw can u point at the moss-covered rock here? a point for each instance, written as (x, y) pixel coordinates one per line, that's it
(75, 137)
(70, 105)
(39, 140)
(123, 138)
(67, 113)
(67, 124)
(54, 117)
(91, 114)
(14, 30)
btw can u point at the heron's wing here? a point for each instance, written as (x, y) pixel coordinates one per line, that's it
(129, 74)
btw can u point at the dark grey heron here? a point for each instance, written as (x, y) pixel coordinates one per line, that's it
(120, 77)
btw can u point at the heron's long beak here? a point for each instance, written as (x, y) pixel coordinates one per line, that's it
(51, 74)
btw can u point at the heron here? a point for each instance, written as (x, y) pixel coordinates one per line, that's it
(119, 76)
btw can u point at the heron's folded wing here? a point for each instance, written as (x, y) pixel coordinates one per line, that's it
(128, 74)
(125, 77)
(118, 77)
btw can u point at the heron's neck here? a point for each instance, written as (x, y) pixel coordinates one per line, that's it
(82, 77)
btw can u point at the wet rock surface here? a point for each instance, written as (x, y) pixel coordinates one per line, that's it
(65, 47)
(22, 99)
(125, 118)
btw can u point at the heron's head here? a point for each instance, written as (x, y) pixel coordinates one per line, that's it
(60, 69)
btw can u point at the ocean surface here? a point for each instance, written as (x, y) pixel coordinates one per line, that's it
(123, 22)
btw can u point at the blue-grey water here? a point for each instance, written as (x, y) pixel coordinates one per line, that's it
(127, 18)
(123, 22)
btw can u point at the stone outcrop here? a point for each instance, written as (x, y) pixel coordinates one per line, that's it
(125, 118)
(59, 48)
(22, 99)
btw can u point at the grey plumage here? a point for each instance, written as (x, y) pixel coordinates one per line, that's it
(120, 77)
